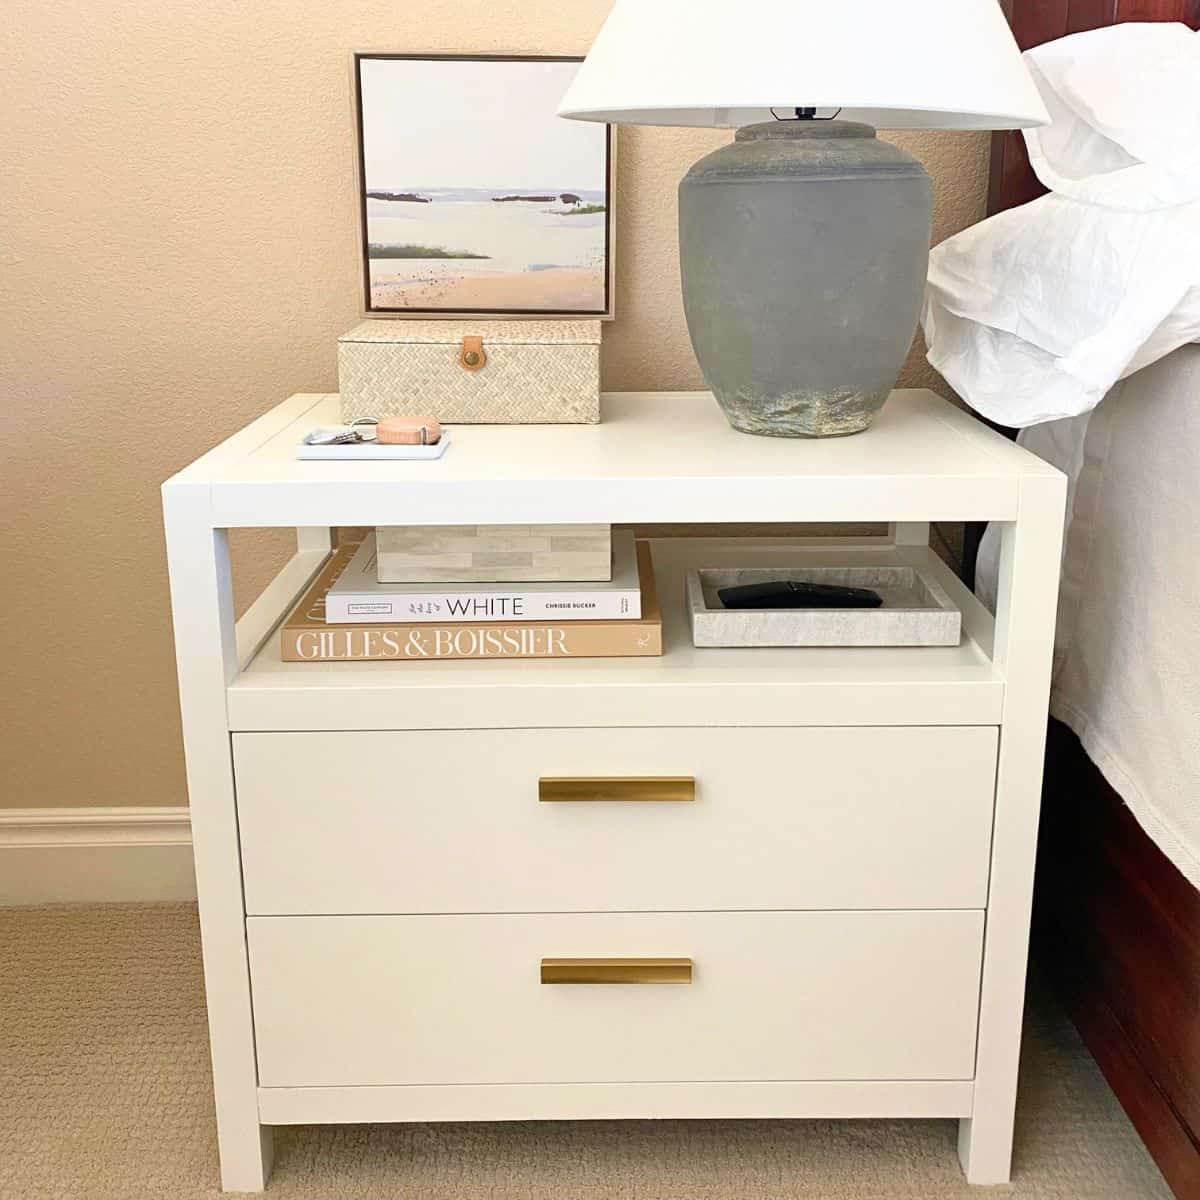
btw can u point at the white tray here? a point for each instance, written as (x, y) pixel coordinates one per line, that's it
(373, 451)
(916, 610)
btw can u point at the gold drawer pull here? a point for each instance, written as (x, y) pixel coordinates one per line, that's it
(666, 788)
(616, 970)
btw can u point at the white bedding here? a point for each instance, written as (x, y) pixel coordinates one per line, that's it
(1127, 650)
(1033, 316)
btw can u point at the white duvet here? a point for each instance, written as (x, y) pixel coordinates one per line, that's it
(1034, 314)
(1127, 646)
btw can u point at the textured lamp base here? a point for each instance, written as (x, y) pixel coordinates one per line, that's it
(804, 247)
(804, 413)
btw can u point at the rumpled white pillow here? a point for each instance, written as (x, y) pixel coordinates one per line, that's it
(1125, 116)
(1034, 314)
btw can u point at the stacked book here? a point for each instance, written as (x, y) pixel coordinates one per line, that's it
(348, 614)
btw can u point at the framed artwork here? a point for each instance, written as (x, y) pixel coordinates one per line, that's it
(474, 196)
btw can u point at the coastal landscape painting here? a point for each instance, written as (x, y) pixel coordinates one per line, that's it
(475, 196)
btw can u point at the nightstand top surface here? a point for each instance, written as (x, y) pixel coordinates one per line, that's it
(655, 457)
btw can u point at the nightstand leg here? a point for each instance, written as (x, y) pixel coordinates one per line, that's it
(1027, 602)
(314, 537)
(909, 533)
(206, 660)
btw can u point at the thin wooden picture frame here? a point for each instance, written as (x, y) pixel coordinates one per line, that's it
(367, 307)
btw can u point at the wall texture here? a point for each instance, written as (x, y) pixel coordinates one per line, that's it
(178, 253)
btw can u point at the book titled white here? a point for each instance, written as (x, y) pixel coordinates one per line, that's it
(359, 597)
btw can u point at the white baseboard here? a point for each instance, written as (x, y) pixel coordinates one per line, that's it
(95, 855)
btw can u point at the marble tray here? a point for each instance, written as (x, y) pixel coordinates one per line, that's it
(916, 610)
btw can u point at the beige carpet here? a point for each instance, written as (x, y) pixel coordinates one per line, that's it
(104, 1095)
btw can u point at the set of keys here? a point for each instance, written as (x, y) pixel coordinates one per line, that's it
(341, 436)
(393, 431)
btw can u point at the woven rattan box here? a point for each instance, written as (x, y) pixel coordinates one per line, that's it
(472, 372)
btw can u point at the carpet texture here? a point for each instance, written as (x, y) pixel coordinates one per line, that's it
(104, 1095)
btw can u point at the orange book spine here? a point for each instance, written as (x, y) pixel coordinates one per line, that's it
(423, 643)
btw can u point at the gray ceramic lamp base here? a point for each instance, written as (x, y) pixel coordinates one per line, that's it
(804, 247)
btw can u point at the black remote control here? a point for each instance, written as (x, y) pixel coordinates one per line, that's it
(787, 593)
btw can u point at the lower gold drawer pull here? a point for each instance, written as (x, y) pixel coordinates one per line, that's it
(616, 970)
(660, 789)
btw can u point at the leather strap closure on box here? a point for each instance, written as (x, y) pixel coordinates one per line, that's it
(472, 357)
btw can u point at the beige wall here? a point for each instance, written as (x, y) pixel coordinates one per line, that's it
(178, 253)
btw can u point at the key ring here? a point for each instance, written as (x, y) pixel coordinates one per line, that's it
(343, 436)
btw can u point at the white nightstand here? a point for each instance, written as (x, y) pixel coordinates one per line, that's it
(379, 882)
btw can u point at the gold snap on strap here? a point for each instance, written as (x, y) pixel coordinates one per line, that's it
(472, 356)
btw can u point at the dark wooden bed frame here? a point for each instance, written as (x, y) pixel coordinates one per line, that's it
(1116, 926)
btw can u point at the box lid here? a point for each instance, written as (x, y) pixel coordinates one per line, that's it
(495, 333)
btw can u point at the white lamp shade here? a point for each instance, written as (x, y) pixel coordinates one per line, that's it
(921, 64)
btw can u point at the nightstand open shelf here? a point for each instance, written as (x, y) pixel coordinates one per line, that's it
(857, 857)
(859, 686)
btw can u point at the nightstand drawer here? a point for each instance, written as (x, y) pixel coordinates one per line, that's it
(461, 999)
(615, 819)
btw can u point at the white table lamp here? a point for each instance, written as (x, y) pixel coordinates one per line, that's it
(804, 244)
